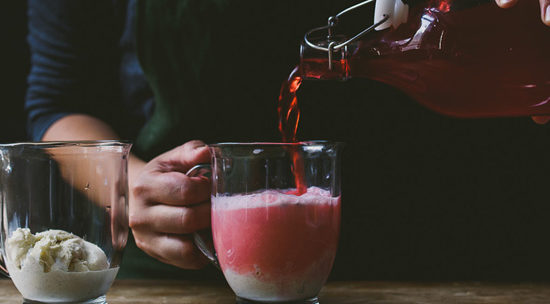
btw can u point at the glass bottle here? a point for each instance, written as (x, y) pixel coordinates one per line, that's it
(464, 58)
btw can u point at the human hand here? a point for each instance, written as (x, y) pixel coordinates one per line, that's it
(168, 206)
(544, 8)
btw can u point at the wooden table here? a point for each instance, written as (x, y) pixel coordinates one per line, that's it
(183, 292)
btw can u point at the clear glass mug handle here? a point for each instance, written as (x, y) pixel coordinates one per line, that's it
(203, 238)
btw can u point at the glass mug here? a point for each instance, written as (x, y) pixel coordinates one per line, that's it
(64, 216)
(272, 245)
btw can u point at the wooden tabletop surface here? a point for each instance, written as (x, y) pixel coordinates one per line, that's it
(185, 292)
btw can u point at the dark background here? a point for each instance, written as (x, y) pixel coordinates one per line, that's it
(443, 198)
(14, 63)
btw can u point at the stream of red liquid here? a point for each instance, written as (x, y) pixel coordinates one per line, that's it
(289, 117)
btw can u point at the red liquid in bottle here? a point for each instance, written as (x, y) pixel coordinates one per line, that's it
(460, 58)
(463, 58)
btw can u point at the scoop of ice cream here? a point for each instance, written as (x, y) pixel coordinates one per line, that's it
(54, 249)
(19, 244)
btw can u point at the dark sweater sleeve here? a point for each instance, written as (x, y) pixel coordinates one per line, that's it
(73, 61)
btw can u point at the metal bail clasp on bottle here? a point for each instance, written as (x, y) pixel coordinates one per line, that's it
(386, 13)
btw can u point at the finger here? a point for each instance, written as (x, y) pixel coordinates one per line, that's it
(177, 250)
(173, 188)
(171, 219)
(545, 11)
(184, 157)
(506, 3)
(541, 119)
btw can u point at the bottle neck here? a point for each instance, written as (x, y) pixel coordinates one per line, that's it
(408, 33)
(315, 64)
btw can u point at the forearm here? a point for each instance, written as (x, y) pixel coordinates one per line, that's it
(85, 127)
(79, 127)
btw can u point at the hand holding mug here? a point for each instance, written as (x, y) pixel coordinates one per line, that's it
(168, 206)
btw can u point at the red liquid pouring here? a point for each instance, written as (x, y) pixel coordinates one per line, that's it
(289, 117)
(463, 58)
(289, 113)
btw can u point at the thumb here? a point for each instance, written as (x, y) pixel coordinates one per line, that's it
(184, 157)
(507, 3)
(545, 11)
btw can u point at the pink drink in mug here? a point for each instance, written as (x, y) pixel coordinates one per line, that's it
(272, 245)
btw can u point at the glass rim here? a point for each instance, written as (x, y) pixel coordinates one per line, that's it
(69, 143)
(277, 144)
